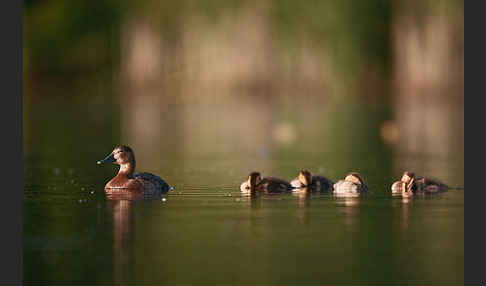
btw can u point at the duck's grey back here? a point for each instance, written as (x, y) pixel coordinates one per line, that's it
(157, 184)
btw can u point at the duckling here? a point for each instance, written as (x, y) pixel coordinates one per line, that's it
(126, 181)
(405, 186)
(352, 184)
(267, 185)
(420, 184)
(251, 183)
(406, 182)
(313, 183)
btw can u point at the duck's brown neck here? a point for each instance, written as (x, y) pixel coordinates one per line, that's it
(127, 169)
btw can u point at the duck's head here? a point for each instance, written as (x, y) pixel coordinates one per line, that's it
(355, 178)
(121, 155)
(253, 179)
(305, 177)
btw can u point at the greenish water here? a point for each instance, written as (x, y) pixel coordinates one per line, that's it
(205, 233)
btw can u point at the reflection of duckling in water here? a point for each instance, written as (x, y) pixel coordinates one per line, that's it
(352, 184)
(312, 183)
(267, 185)
(128, 182)
(409, 185)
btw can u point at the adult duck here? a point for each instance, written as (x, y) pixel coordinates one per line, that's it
(126, 181)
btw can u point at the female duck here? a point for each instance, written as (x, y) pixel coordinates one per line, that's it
(126, 181)
(313, 183)
(268, 185)
(352, 184)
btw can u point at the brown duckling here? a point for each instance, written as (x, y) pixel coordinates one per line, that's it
(405, 186)
(352, 184)
(252, 182)
(126, 181)
(420, 185)
(313, 183)
(269, 185)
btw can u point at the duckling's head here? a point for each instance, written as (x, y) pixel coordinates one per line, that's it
(355, 178)
(305, 177)
(121, 155)
(407, 177)
(253, 179)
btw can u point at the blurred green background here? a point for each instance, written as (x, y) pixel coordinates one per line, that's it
(329, 42)
(135, 60)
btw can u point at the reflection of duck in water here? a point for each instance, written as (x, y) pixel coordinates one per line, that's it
(352, 184)
(312, 183)
(267, 185)
(123, 236)
(409, 185)
(128, 182)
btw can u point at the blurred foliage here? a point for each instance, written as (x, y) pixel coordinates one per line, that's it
(80, 35)
(356, 32)
(65, 36)
(70, 37)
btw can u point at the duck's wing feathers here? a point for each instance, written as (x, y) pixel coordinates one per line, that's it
(157, 181)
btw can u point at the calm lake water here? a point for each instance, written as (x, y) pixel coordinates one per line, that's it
(204, 232)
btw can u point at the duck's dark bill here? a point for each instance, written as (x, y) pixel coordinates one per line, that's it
(109, 159)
